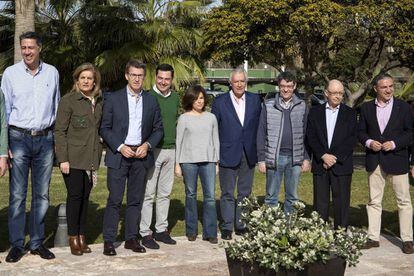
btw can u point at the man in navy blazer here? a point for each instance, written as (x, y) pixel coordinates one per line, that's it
(237, 115)
(385, 130)
(131, 126)
(331, 134)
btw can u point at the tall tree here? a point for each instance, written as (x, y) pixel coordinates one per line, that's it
(24, 22)
(320, 39)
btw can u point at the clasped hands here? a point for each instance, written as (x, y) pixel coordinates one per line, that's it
(141, 151)
(377, 146)
(328, 160)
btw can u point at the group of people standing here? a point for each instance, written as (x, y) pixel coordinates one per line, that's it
(148, 141)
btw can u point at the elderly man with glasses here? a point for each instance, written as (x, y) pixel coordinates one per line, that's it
(331, 135)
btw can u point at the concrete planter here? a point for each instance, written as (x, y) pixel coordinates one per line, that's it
(334, 267)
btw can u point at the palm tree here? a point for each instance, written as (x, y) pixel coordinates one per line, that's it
(156, 31)
(6, 34)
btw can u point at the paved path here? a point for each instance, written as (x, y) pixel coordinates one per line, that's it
(187, 258)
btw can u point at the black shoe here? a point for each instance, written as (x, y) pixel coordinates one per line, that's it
(43, 252)
(109, 249)
(212, 240)
(370, 244)
(191, 237)
(149, 242)
(134, 245)
(226, 235)
(15, 254)
(240, 232)
(164, 237)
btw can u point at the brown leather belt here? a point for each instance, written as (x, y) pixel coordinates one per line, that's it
(134, 148)
(32, 132)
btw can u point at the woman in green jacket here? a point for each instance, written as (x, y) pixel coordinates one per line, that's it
(78, 148)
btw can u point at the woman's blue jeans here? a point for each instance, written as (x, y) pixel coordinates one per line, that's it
(207, 173)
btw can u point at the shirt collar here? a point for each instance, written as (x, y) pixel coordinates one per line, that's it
(390, 101)
(132, 93)
(330, 108)
(235, 98)
(29, 71)
(285, 104)
(159, 92)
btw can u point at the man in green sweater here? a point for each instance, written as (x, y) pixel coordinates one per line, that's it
(161, 176)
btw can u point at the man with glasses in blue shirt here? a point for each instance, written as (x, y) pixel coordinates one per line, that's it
(31, 91)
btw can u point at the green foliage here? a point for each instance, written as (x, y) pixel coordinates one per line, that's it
(320, 39)
(109, 33)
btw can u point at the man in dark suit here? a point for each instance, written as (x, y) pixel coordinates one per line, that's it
(385, 131)
(331, 135)
(131, 126)
(237, 115)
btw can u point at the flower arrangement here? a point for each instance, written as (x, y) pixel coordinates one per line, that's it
(291, 242)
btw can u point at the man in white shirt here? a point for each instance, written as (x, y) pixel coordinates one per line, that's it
(331, 135)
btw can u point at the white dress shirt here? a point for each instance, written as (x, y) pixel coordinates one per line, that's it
(331, 116)
(239, 105)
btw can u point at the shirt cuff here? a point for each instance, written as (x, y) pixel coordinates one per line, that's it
(149, 145)
(368, 142)
(393, 145)
(120, 146)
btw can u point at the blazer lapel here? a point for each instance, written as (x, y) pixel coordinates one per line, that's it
(339, 125)
(230, 107)
(124, 106)
(247, 109)
(144, 109)
(373, 113)
(394, 115)
(322, 118)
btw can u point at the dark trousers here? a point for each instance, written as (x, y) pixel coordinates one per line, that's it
(341, 193)
(79, 188)
(242, 176)
(133, 170)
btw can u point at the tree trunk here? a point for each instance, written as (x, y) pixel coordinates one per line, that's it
(25, 22)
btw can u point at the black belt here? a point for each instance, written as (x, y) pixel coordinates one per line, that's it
(32, 132)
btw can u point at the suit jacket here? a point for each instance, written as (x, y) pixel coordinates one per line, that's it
(343, 140)
(235, 138)
(398, 130)
(115, 122)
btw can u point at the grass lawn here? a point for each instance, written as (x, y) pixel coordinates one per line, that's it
(358, 217)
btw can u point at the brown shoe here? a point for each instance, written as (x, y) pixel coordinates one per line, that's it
(75, 248)
(134, 245)
(408, 247)
(370, 244)
(83, 245)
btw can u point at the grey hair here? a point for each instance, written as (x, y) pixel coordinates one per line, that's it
(238, 70)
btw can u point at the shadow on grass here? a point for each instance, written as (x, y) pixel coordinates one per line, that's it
(357, 217)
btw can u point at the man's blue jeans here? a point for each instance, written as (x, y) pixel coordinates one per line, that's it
(274, 179)
(35, 152)
(207, 173)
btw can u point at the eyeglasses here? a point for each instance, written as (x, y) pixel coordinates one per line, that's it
(135, 76)
(339, 94)
(289, 86)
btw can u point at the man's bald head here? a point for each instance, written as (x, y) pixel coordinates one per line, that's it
(335, 85)
(334, 92)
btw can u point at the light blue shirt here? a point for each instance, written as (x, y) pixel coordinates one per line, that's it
(331, 116)
(135, 117)
(31, 101)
